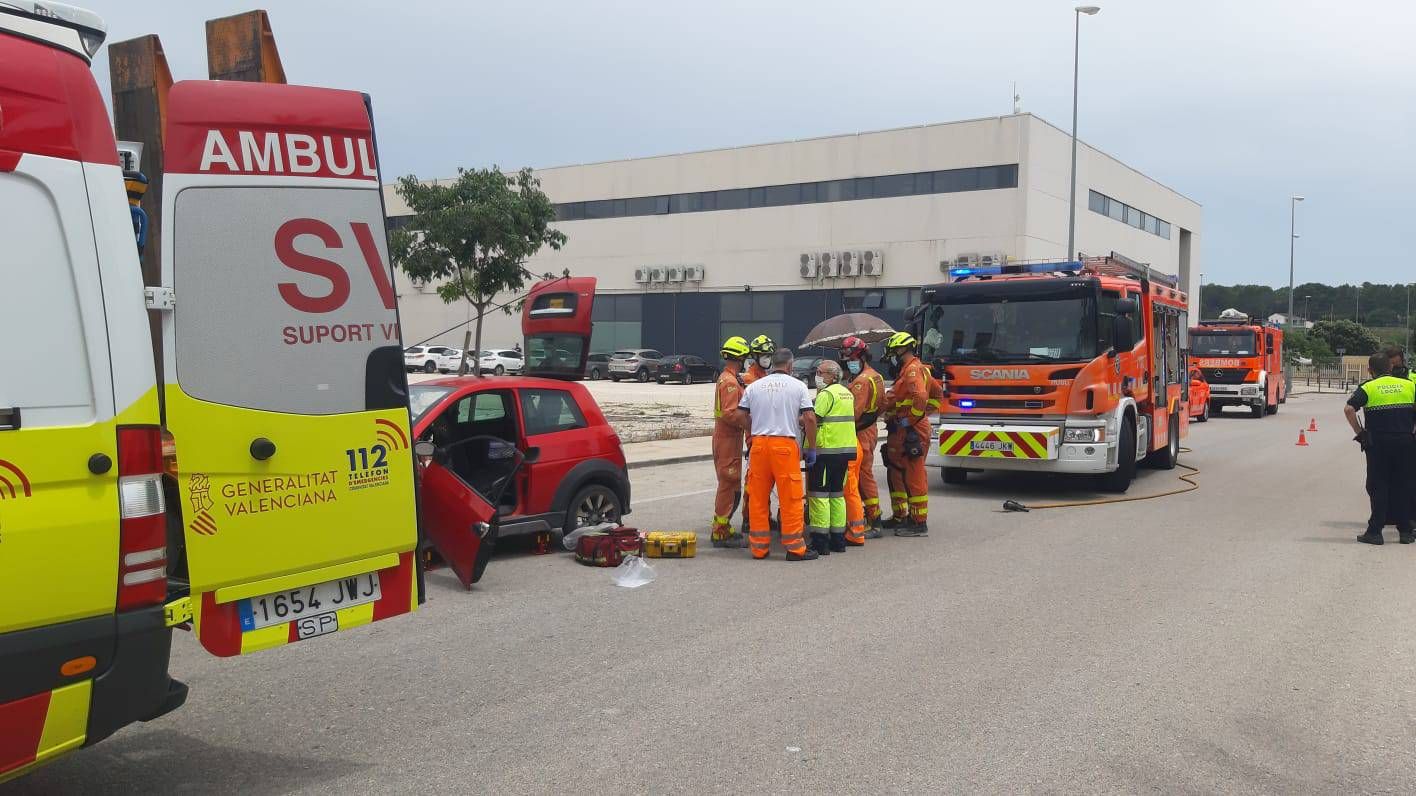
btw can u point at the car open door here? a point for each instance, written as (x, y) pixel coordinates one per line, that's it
(284, 385)
(460, 520)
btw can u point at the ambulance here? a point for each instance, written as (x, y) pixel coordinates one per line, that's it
(252, 482)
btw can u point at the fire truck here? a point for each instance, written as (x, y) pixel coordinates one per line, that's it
(1242, 359)
(1074, 367)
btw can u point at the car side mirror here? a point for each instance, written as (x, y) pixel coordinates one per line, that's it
(424, 448)
(531, 455)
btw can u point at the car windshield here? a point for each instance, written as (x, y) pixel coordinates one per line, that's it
(1235, 343)
(421, 399)
(1002, 327)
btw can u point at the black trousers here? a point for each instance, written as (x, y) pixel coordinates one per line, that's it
(1390, 472)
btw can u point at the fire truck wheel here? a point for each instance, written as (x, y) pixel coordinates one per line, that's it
(1119, 480)
(1165, 458)
(1256, 410)
(1271, 409)
(954, 475)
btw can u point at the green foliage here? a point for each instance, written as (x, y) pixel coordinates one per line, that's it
(472, 235)
(1356, 340)
(1382, 305)
(1302, 342)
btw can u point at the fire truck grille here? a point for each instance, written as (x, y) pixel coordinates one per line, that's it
(1225, 375)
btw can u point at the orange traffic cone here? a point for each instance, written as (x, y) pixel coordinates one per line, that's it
(1312, 424)
(1302, 440)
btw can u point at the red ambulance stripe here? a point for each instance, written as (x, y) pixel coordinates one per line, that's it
(220, 627)
(23, 725)
(9, 160)
(396, 586)
(51, 105)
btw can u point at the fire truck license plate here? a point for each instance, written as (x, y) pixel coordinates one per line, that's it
(308, 601)
(991, 445)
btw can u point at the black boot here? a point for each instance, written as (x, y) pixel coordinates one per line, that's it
(895, 522)
(838, 542)
(1371, 538)
(1407, 537)
(913, 529)
(809, 555)
(820, 544)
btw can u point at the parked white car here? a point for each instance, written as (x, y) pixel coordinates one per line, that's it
(432, 358)
(501, 360)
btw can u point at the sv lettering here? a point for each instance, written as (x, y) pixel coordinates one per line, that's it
(329, 270)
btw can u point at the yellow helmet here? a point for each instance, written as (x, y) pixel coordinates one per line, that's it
(762, 344)
(735, 347)
(901, 340)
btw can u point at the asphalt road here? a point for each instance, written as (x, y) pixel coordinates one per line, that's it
(1232, 639)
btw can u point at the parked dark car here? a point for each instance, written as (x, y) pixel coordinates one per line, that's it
(804, 368)
(597, 366)
(685, 368)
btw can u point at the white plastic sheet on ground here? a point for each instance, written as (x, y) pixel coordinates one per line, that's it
(571, 538)
(633, 572)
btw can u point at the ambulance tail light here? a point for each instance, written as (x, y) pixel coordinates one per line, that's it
(142, 530)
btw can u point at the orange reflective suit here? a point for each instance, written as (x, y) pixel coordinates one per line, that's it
(775, 461)
(868, 387)
(727, 451)
(855, 510)
(753, 373)
(908, 400)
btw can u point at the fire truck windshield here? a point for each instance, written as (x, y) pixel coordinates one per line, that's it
(1222, 343)
(1003, 325)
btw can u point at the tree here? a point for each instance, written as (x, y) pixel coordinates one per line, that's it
(473, 235)
(1354, 339)
(1303, 343)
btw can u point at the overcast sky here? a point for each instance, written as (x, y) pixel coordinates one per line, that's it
(1235, 103)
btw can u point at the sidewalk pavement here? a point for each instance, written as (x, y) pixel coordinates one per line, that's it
(668, 451)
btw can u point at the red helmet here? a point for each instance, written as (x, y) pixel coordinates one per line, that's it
(853, 348)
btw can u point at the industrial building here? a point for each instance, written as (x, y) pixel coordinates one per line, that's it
(691, 248)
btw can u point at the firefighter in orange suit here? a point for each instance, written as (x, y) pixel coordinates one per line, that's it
(908, 441)
(868, 388)
(777, 410)
(727, 443)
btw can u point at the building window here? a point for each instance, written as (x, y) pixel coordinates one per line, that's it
(1106, 206)
(978, 178)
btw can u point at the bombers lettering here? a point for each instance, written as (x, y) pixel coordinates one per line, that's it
(247, 152)
(999, 373)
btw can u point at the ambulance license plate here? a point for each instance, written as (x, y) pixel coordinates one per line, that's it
(991, 445)
(308, 601)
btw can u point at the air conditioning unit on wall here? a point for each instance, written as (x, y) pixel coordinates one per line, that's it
(810, 266)
(872, 263)
(693, 273)
(641, 275)
(657, 274)
(850, 264)
(830, 264)
(674, 273)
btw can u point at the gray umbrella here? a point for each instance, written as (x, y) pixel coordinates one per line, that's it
(830, 332)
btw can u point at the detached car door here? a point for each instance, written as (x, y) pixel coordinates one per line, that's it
(284, 383)
(459, 522)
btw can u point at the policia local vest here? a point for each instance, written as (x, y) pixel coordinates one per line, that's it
(1390, 405)
(835, 429)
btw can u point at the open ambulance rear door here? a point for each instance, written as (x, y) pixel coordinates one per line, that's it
(285, 391)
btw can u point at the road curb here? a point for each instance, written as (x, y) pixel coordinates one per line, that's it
(697, 457)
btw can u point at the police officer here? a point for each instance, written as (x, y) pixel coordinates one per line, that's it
(1388, 405)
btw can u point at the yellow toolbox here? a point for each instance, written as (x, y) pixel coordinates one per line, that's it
(670, 544)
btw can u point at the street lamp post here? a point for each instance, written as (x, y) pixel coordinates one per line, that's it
(1076, 71)
(1292, 238)
(1408, 316)
(1307, 302)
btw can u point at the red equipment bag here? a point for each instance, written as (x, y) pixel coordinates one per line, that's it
(608, 548)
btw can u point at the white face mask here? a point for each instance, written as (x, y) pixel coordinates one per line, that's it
(764, 361)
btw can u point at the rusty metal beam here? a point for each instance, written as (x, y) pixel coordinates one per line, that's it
(242, 47)
(140, 80)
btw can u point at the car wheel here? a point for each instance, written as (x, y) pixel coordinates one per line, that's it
(615, 379)
(643, 375)
(430, 367)
(1204, 415)
(592, 505)
(661, 381)
(499, 370)
(595, 374)
(954, 475)
(687, 379)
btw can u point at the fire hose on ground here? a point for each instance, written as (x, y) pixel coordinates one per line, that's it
(1188, 478)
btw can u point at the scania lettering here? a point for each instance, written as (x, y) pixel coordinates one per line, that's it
(1242, 359)
(1065, 367)
(227, 499)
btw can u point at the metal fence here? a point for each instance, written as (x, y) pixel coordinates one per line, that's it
(1328, 374)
